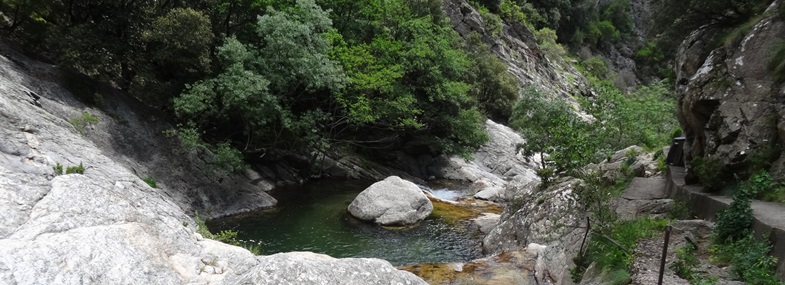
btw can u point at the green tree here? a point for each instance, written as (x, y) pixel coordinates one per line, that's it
(407, 78)
(495, 89)
(181, 41)
(554, 132)
(266, 91)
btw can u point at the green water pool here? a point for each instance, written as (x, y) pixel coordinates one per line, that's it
(313, 218)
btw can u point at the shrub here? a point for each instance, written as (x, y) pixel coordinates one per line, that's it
(493, 23)
(225, 236)
(79, 169)
(608, 256)
(685, 262)
(547, 40)
(150, 181)
(596, 67)
(735, 222)
(761, 158)
(58, 169)
(749, 259)
(81, 123)
(710, 172)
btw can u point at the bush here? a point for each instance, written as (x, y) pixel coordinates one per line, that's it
(607, 255)
(78, 169)
(749, 259)
(225, 236)
(150, 181)
(58, 169)
(685, 262)
(735, 222)
(494, 88)
(493, 23)
(596, 67)
(81, 123)
(547, 40)
(710, 172)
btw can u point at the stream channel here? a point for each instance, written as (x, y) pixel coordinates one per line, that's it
(313, 217)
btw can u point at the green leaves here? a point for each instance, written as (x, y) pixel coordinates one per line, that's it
(552, 127)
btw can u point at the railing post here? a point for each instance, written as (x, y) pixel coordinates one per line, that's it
(664, 254)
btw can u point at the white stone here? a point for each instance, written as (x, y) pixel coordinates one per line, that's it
(392, 201)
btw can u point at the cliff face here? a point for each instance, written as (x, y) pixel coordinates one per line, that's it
(729, 102)
(517, 47)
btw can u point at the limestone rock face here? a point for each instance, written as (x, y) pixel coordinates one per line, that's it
(498, 171)
(517, 47)
(729, 102)
(107, 226)
(392, 201)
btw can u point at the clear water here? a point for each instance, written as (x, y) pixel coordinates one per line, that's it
(314, 218)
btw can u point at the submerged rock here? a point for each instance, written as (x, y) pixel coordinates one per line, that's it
(391, 202)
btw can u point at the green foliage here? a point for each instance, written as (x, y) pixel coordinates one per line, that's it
(710, 172)
(182, 39)
(78, 169)
(749, 259)
(735, 222)
(546, 38)
(223, 157)
(150, 182)
(777, 62)
(596, 66)
(260, 83)
(225, 236)
(86, 120)
(650, 53)
(766, 187)
(554, 128)
(551, 127)
(491, 5)
(58, 169)
(761, 157)
(511, 11)
(407, 74)
(607, 255)
(228, 158)
(494, 88)
(686, 262)
(493, 23)
(633, 119)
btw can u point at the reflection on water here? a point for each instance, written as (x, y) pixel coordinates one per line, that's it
(314, 218)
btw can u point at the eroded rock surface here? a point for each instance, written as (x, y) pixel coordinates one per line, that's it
(497, 171)
(550, 218)
(729, 103)
(392, 201)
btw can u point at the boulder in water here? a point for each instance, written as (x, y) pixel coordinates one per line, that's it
(391, 202)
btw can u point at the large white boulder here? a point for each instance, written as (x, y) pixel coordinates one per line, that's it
(392, 201)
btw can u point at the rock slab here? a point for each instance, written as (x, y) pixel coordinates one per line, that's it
(391, 202)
